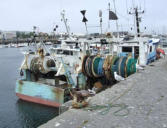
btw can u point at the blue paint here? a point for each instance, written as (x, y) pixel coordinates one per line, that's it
(151, 57)
(100, 67)
(125, 54)
(38, 90)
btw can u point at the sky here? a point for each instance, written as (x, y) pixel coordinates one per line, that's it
(22, 15)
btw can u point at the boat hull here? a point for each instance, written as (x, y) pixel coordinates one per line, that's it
(39, 93)
(37, 100)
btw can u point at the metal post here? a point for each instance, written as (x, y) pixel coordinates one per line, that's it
(137, 22)
(101, 27)
(136, 17)
(109, 14)
(116, 20)
(86, 28)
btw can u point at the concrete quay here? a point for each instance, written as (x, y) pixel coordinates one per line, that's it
(144, 95)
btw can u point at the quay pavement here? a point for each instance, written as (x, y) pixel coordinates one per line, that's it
(138, 102)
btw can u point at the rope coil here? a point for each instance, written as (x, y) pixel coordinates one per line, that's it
(96, 66)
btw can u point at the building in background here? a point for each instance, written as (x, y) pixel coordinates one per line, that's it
(8, 34)
(1, 35)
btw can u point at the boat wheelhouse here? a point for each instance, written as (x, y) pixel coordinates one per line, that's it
(143, 49)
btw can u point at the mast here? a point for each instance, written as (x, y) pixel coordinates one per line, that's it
(65, 22)
(100, 16)
(137, 22)
(34, 36)
(109, 19)
(142, 56)
(136, 13)
(86, 28)
(116, 20)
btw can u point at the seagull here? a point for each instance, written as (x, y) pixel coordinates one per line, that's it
(138, 67)
(118, 77)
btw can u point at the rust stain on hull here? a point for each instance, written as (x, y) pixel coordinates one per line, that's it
(58, 94)
(20, 85)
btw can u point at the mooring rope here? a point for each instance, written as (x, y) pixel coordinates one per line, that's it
(106, 108)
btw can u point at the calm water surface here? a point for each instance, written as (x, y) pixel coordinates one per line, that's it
(16, 113)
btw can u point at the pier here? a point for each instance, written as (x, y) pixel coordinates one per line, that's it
(138, 102)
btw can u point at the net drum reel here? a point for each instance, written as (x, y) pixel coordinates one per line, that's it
(38, 64)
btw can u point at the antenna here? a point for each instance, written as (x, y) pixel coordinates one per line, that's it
(133, 2)
(145, 5)
(65, 22)
(127, 6)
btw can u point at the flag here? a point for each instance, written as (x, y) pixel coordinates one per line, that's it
(83, 12)
(100, 13)
(84, 18)
(112, 16)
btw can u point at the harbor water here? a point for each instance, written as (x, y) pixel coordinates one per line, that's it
(15, 113)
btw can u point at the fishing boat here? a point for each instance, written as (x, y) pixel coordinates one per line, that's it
(139, 47)
(39, 83)
(143, 49)
(47, 77)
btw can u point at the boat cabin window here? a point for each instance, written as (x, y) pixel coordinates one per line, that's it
(136, 52)
(66, 52)
(103, 41)
(70, 42)
(126, 49)
(59, 51)
(58, 42)
(150, 48)
(71, 53)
